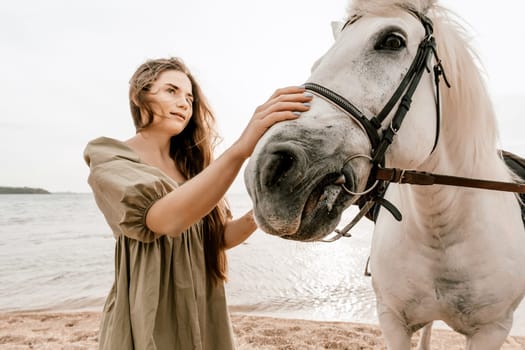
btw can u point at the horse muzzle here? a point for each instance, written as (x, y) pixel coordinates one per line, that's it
(298, 194)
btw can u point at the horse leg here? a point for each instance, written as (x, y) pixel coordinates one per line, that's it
(490, 336)
(424, 339)
(395, 331)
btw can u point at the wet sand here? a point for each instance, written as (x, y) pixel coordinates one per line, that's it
(79, 331)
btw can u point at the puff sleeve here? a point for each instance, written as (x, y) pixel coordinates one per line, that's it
(124, 188)
(124, 192)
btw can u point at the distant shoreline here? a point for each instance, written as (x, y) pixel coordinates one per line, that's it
(22, 190)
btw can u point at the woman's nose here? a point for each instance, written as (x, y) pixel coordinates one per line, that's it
(181, 102)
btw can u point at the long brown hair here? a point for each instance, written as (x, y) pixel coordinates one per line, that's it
(191, 150)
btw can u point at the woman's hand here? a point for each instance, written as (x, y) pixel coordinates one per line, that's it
(284, 104)
(237, 231)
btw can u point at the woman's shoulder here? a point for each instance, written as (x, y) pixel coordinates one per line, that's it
(105, 149)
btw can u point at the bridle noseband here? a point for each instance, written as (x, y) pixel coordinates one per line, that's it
(381, 137)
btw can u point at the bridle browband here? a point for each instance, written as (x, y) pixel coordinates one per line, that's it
(381, 137)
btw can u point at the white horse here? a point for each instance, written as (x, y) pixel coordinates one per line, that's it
(458, 253)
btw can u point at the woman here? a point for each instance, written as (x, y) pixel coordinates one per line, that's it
(163, 199)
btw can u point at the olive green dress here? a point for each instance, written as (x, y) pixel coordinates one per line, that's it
(161, 298)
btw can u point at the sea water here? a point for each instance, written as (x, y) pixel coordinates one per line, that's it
(56, 254)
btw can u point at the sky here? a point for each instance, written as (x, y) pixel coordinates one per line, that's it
(65, 67)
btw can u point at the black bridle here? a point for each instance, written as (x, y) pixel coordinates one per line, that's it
(380, 136)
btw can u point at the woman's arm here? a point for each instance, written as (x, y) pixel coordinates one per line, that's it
(237, 231)
(179, 209)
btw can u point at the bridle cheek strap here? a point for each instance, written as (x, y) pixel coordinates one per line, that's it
(426, 49)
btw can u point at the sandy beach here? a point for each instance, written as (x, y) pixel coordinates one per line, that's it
(79, 331)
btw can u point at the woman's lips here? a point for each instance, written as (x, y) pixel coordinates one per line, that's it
(178, 115)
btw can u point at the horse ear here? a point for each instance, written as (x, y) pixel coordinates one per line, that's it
(336, 28)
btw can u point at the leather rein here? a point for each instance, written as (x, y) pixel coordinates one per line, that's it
(414, 177)
(381, 177)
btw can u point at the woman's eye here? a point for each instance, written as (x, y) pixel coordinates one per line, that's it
(170, 90)
(391, 42)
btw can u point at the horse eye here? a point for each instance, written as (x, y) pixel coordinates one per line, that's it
(391, 42)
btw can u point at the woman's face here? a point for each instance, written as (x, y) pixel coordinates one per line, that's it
(170, 99)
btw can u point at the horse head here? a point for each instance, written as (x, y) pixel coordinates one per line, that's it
(304, 173)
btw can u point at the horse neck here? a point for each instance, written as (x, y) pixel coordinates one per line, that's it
(440, 216)
(444, 211)
(469, 133)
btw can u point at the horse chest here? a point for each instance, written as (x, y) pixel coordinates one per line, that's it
(461, 297)
(419, 291)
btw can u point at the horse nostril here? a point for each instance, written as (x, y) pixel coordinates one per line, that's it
(277, 167)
